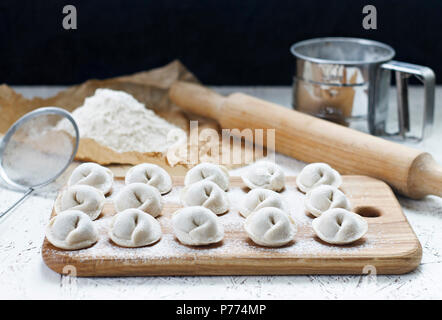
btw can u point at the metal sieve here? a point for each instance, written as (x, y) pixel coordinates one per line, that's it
(34, 151)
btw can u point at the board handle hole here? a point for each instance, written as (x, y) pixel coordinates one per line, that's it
(368, 212)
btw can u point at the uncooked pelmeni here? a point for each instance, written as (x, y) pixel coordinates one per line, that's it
(139, 196)
(80, 197)
(196, 226)
(270, 227)
(207, 194)
(265, 175)
(317, 174)
(150, 174)
(71, 230)
(340, 226)
(134, 228)
(323, 198)
(208, 171)
(261, 198)
(93, 175)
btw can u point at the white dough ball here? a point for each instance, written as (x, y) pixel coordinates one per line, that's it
(71, 230)
(270, 227)
(150, 174)
(340, 226)
(134, 228)
(317, 174)
(325, 197)
(264, 174)
(84, 198)
(93, 175)
(139, 196)
(196, 226)
(208, 171)
(261, 198)
(207, 194)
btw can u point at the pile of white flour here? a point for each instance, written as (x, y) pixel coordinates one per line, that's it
(117, 120)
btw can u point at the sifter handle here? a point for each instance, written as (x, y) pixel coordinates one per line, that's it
(403, 71)
(19, 201)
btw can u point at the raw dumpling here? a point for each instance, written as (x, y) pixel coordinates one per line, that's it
(71, 230)
(265, 175)
(196, 226)
(260, 198)
(208, 171)
(134, 228)
(339, 226)
(270, 227)
(207, 194)
(84, 198)
(93, 175)
(323, 198)
(139, 196)
(317, 174)
(150, 174)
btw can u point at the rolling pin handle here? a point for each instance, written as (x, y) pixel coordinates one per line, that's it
(425, 177)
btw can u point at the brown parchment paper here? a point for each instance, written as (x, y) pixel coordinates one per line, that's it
(149, 87)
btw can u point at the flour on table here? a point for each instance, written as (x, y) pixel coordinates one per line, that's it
(305, 243)
(117, 120)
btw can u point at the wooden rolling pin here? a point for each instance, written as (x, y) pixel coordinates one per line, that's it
(411, 172)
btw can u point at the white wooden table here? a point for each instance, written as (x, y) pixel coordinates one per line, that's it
(23, 273)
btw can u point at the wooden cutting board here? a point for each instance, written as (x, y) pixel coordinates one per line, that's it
(389, 247)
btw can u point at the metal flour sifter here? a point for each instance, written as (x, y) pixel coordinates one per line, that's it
(33, 152)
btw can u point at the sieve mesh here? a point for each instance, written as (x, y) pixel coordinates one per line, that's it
(36, 152)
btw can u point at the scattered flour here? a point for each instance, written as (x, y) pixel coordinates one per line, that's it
(117, 120)
(235, 241)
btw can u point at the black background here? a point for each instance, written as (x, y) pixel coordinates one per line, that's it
(224, 42)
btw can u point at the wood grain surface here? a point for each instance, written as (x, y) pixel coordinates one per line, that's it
(389, 247)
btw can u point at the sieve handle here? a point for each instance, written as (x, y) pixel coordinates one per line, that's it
(23, 198)
(403, 71)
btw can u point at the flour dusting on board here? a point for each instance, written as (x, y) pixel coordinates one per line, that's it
(305, 244)
(117, 120)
